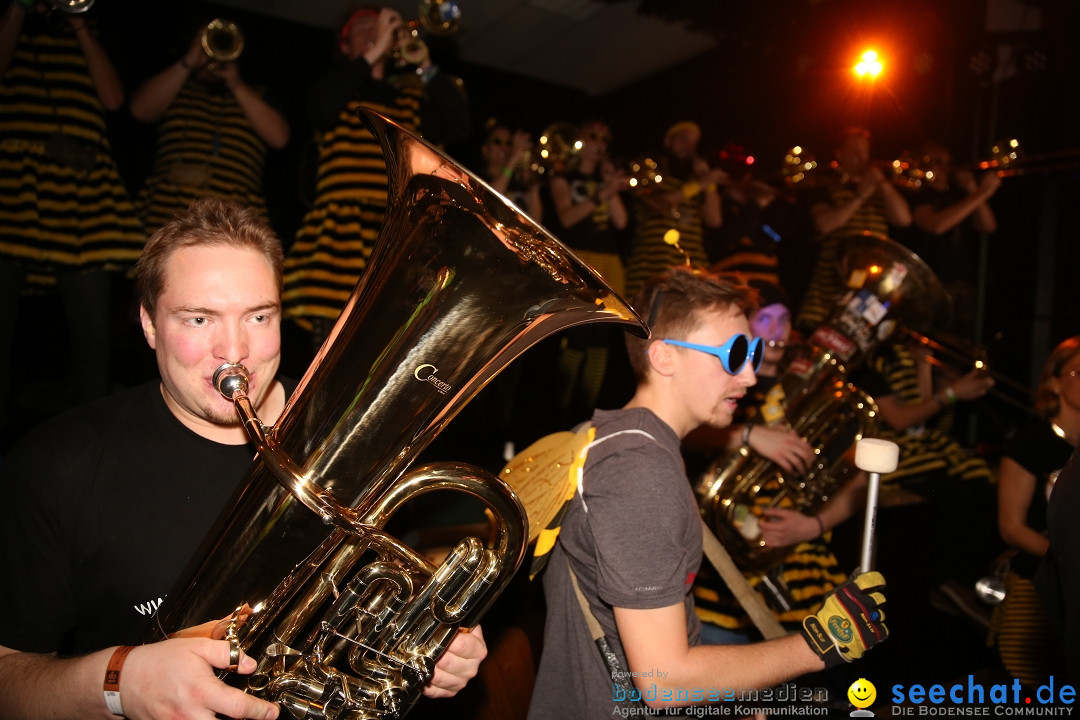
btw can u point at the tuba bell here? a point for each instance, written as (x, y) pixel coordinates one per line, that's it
(886, 283)
(346, 621)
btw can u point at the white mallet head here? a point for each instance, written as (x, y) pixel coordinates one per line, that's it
(876, 455)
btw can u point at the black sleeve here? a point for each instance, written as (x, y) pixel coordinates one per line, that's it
(330, 94)
(37, 529)
(444, 111)
(1058, 577)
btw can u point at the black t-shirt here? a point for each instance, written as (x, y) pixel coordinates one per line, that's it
(1058, 578)
(104, 507)
(1041, 452)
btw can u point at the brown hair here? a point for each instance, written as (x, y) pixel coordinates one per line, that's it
(208, 221)
(1047, 402)
(673, 302)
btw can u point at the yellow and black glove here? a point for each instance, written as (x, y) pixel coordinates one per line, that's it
(850, 622)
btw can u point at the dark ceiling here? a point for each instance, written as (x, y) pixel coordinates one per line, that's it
(775, 72)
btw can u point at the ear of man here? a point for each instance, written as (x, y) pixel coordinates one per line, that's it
(662, 358)
(147, 323)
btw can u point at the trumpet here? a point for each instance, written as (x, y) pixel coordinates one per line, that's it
(798, 165)
(438, 17)
(558, 147)
(1005, 160)
(643, 172)
(222, 41)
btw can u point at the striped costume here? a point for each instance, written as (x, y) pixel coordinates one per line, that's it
(56, 217)
(339, 232)
(826, 285)
(809, 571)
(924, 452)
(205, 147)
(650, 255)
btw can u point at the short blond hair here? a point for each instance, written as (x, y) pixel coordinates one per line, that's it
(208, 221)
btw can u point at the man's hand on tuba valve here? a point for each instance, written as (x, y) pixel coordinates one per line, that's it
(176, 678)
(458, 665)
(783, 527)
(783, 446)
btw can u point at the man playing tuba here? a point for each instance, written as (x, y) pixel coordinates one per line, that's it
(107, 503)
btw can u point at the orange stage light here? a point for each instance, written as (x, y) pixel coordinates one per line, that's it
(869, 65)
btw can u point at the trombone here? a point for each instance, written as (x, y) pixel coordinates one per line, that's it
(947, 357)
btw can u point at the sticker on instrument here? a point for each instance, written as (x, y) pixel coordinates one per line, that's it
(857, 278)
(828, 338)
(772, 410)
(801, 367)
(867, 306)
(897, 273)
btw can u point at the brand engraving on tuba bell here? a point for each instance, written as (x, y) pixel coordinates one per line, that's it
(426, 372)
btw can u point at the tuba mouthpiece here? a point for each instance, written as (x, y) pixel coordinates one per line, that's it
(231, 380)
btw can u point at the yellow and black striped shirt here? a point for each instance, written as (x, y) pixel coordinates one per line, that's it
(206, 146)
(650, 255)
(338, 234)
(925, 451)
(57, 215)
(826, 285)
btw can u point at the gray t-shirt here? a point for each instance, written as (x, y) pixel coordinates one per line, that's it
(634, 541)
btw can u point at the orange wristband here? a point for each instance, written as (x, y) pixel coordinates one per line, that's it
(112, 679)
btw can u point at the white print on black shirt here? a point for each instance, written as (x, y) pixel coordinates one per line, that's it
(150, 607)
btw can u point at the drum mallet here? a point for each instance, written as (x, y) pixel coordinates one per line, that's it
(873, 456)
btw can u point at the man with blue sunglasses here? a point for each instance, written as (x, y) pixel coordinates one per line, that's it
(630, 542)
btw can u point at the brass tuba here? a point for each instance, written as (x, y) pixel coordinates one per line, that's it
(886, 282)
(348, 621)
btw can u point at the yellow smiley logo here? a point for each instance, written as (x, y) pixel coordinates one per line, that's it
(862, 693)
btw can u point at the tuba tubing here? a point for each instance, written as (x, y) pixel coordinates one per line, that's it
(343, 619)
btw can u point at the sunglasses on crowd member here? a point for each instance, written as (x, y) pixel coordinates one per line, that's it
(733, 355)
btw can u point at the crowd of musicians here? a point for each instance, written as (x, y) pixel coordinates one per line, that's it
(777, 243)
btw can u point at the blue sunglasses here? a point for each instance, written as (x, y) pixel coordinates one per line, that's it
(733, 354)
